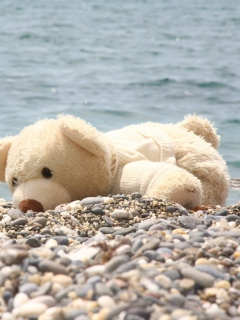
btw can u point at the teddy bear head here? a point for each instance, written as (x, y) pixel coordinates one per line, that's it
(53, 162)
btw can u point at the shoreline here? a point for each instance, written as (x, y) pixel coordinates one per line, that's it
(120, 257)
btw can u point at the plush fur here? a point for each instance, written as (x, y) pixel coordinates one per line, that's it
(57, 161)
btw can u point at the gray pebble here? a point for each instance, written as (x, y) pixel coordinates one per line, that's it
(108, 220)
(15, 214)
(61, 240)
(40, 220)
(115, 262)
(124, 231)
(222, 212)
(203, 279)
(146, 224)
(106, 230)
(91, 200)
(214, 272)
(51, 266)
(171, 209)
(28, 288)
(19, 222)
(189, 222)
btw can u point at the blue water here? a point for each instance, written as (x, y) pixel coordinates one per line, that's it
(116, 63)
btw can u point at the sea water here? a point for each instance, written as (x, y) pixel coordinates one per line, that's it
(115, 63)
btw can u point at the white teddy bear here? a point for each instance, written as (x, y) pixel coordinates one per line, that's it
(57, 161)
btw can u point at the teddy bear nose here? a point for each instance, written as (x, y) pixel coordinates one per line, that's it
(30, 204)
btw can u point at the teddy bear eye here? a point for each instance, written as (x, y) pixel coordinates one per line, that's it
(47, 173)
(15, 182)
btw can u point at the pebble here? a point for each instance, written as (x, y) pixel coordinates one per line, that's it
(120, 257)
(189, 222)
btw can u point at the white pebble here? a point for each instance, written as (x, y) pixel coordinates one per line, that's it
(232, 224)
(8, 316)
(19, 299)
(29, 308)
(105, 301)
(97, 269)
(51, 243)
(108, 200)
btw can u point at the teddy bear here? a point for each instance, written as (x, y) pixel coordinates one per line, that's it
(57, 161)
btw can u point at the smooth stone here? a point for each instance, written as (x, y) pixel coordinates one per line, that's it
(172, 274)
(52, 266)
(15, 213)
(61, 240)
(7, 316)
(131, 265)
(201, 278)
(101, 289)
(33, 242)
(19, 299)
(97, 210)
(94, 270)
(28, 288)
(115, 262)
(124, 231)
(63, 280)
(106, 230)
(108, 200)
(146, 224)
(51, 243)
(108, 220)
(136, 195)
(212, 271)
(137, 244)
(120, 214)
(163, 281)
(91, 200)
(232, 217)
(171, 209)
(177, 300)
(30, 309)
(48, 300)
(158, 226)
(222, 212)
(186, 284)
(189, 222)
(207, 221)
(40, 220)
(106, 301)
(19, 222)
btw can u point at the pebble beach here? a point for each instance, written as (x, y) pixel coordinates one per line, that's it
(121, 257)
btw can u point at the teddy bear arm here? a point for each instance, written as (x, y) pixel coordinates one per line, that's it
(159, 180)
(176, 184)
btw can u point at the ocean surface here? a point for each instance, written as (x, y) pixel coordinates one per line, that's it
(116, 63)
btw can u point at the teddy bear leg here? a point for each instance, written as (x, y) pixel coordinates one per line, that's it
(179, 186)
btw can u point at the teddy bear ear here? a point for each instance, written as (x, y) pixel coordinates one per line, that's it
(84, 134)
(5, 145)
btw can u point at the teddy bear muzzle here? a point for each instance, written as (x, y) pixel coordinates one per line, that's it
(31, 204)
